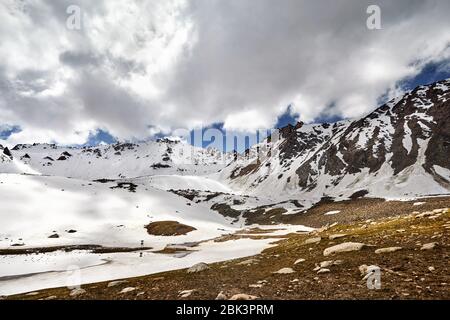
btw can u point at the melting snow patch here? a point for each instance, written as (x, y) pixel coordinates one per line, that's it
(443, 172)
(407, 141)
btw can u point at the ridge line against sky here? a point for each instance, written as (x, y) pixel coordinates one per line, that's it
(142, 69)
(241, 141)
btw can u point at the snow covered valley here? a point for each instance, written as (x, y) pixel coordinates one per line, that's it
(57, 213)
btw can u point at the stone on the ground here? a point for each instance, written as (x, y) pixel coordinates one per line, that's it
(363, 269)
(312, 240)
(431, 269)
(51, 298)
(221, 296)
(425, 214)
(299, 261)
(32, 294)
(337, 236)
(248, 262)
(116, 283)
(429, 246)
(262, 281)
(343, 247)
(199, 267)
(128, 289)
(285, 271)
(77, 292)
(186, 293)
(371, 270)
(327, 264)
(323, 270)
(388, 250)
(243, 296)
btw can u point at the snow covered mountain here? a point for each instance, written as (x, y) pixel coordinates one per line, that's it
(121, 160)
(399, 150)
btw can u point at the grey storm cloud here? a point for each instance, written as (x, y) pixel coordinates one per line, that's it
(138, 67)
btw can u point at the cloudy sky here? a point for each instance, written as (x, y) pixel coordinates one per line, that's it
(139, 68)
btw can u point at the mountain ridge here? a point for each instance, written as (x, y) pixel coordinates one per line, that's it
(407, 135)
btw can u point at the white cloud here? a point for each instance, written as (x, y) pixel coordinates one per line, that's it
(138, 67)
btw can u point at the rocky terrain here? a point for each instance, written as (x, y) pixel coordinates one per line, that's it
(411, 250)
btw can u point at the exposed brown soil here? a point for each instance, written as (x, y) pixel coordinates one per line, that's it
(410, 273)
(89, 247)
(360, 210)
(168, 228)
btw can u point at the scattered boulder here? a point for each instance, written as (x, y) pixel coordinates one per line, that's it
(388, 250)
(312, 240)
(77, 292)
(429, 246)
(337, 236)
(365, 269)
(369, 270)
(299, 261)
(116, 283)
(128, 289)
(199, 267)
(285, 271)
(186, 293)
(418, 203)
(323, 270)
(221, 296)
(343, 247)
(160, 166)
(327, 264)
(248, 262)
(54, 236)
(425, 214)
(243, 296)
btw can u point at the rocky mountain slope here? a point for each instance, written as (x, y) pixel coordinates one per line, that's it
(400, 149)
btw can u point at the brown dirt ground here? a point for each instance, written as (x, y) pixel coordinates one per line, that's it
(362, 209)
(406, 274)
(168, 228)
